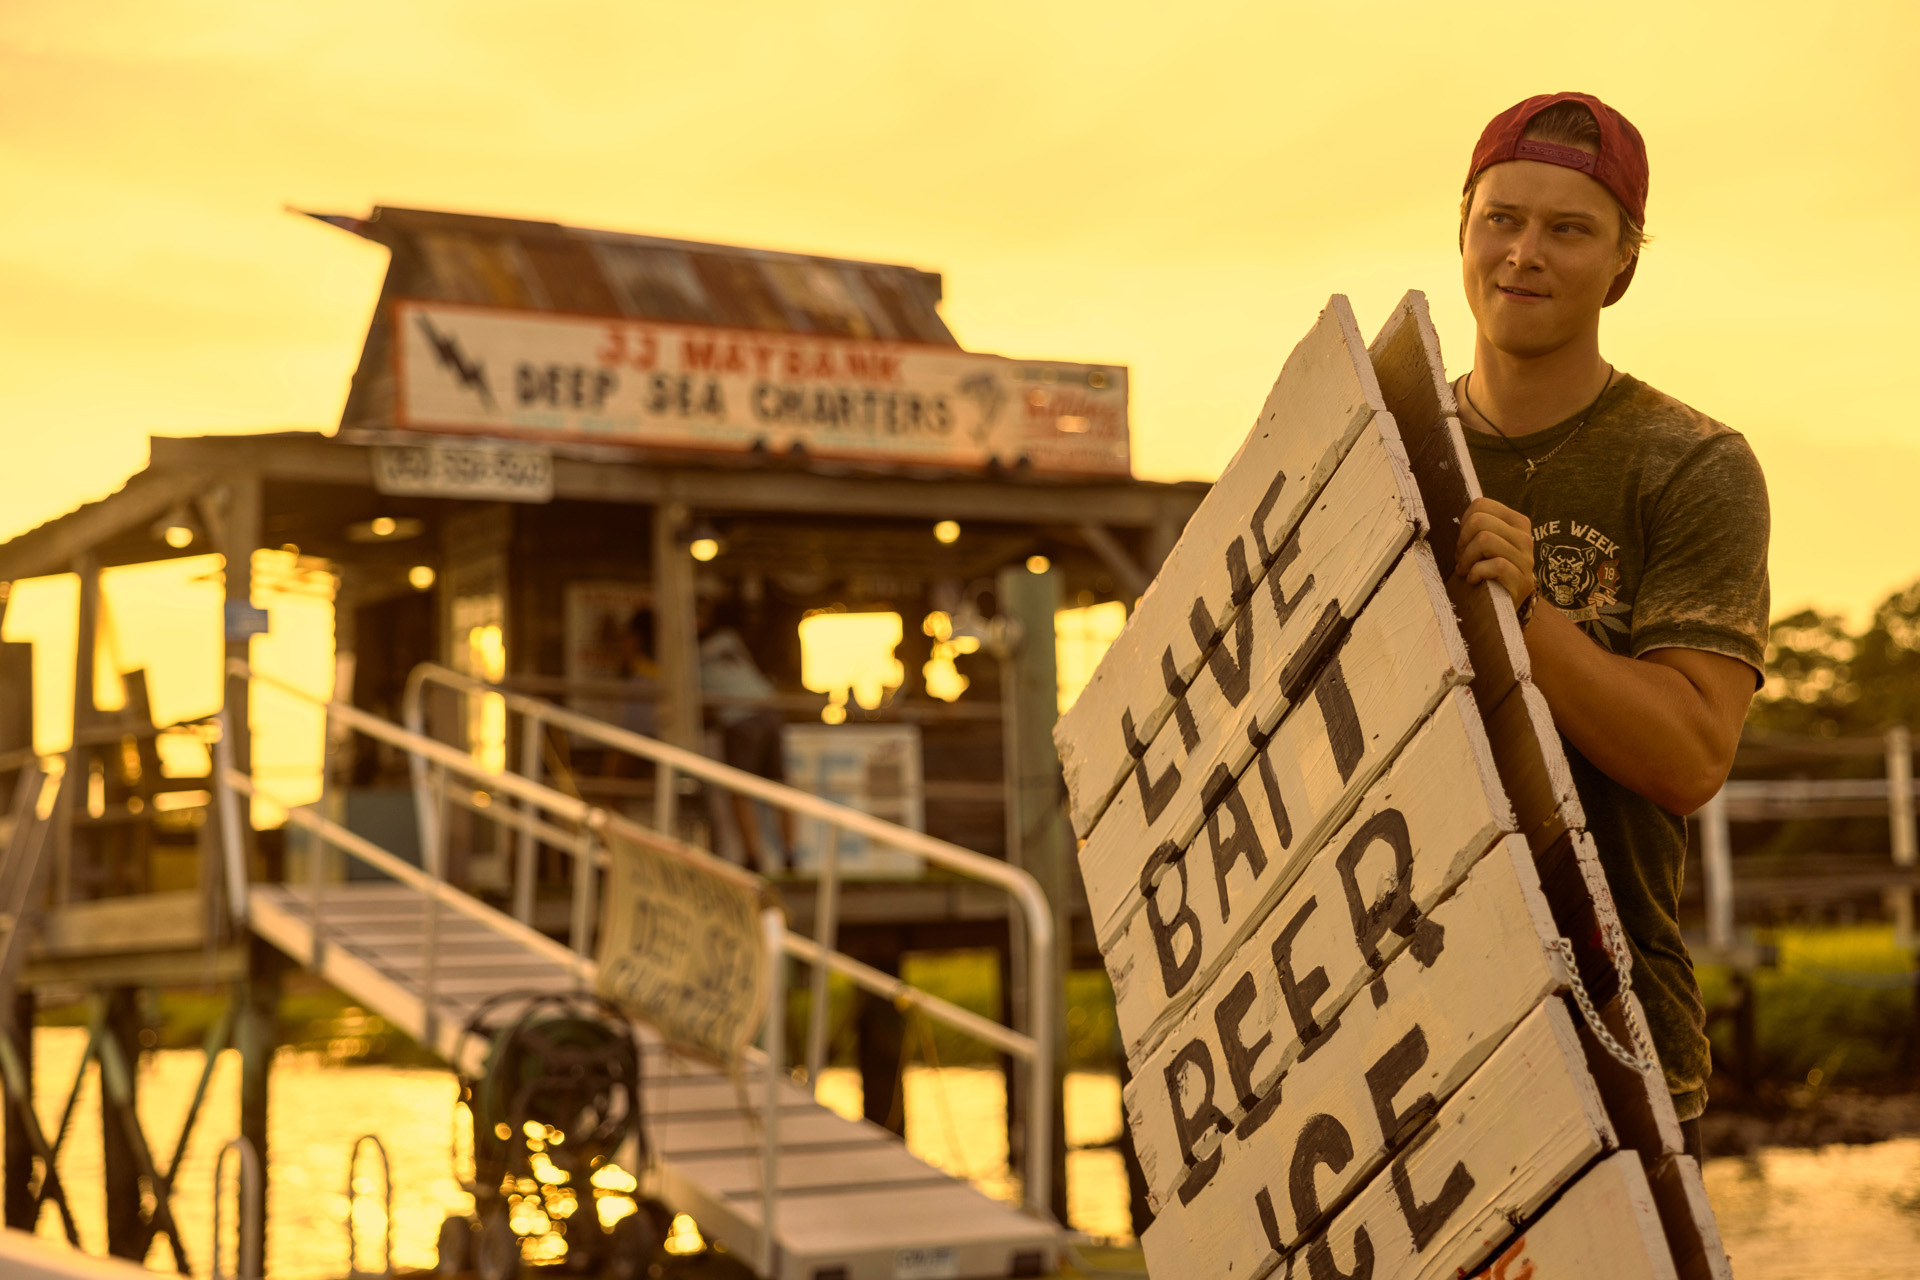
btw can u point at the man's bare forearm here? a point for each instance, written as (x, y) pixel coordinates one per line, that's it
(1644, 724)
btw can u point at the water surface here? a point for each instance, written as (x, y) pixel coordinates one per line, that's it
(1835, 1213)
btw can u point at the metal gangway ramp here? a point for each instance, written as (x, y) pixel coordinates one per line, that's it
(763, 1168)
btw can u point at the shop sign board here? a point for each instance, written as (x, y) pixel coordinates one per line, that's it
(502, 371)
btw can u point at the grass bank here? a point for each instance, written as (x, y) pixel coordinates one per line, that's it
(1839, 1008)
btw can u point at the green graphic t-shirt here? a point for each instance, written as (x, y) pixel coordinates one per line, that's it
(1649, 531)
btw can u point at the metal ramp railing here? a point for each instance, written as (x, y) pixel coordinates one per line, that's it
(425, 954)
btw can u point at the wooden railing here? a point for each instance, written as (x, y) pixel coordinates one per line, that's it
(1768, 801)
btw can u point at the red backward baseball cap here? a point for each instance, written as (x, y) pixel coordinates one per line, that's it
(1620, 166)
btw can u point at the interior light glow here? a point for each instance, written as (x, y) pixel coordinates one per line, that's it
(947, 531)
(420, 577)
(179, 536)
(704, 549)
(1038, 564)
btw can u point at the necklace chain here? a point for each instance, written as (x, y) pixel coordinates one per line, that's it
(1534, 464)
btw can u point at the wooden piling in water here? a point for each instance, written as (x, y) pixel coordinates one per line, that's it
(126, 1236)
(1038, 839)
(256, 1033)
(17, 1195)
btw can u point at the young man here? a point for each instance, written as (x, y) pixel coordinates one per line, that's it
(1630, 529)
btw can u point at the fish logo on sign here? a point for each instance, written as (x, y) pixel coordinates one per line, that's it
(471, 374)
(984, 389)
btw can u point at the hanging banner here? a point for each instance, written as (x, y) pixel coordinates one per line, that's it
(503, 371)
(681, 948)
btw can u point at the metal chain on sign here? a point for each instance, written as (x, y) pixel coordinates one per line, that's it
(1620, 1052)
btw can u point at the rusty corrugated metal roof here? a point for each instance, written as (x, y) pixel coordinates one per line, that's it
(458, 257)
(544, 266)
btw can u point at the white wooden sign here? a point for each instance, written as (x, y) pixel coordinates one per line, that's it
(503, 371)
(1352, 714)
(1325, 394)
(1352, 912)
(1333, 856)
(1273, 1053)
(1522, 1128)
(1449, 809)
(1609, 1214)
(1355, 531)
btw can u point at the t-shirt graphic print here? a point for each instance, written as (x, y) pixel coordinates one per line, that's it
(1577, 568)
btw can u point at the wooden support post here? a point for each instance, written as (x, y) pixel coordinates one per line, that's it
(878, 1039)
(257, 1035)
(1746, 1038)
(127, 1236)
(241, 534)
(676, 628)
(18, 1194)
(79, 759)
(1716, 868)
(1038, 837)
(1901, 823)
(87, 566)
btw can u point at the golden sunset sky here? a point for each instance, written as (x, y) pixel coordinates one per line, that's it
(1174, 187)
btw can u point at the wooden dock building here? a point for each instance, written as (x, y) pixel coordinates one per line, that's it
(562, 447)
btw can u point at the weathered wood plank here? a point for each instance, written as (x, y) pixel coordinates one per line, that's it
(1687, 1216)
(1439, 807)
(1638, 1101)
(1521, 1129)
(1324, 395)
(1354, 533)
(1605, 1221)
(1477, 966)
(1406, 359)
(1576, 887)
(1405, 355)
(1445, 472)
(1398, 660)
(1492, 632)
(1413, 382)
(1538, 780)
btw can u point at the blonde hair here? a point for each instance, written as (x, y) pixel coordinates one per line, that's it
(1570, 124)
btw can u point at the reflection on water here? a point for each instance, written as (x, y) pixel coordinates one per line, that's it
(315, 1112)
(1838, 1213)
(956, 1119)
(1834, 1213)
